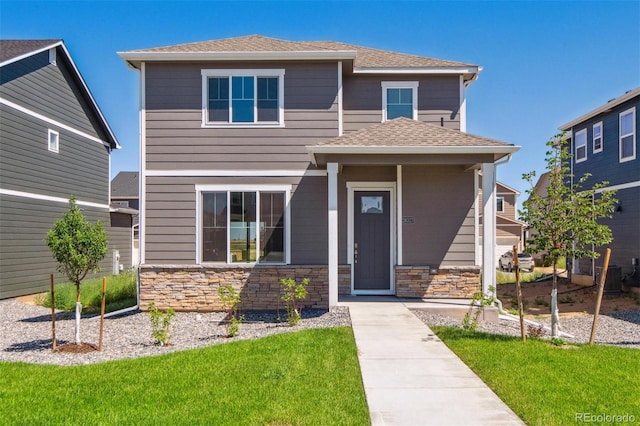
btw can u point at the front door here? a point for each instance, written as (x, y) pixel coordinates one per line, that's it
(372, 241)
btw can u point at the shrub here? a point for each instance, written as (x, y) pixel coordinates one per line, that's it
(230, 299)
(161, 324)
(294, 293)
(479, 301)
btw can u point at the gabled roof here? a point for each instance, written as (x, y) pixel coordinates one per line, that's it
(602, 109)
(405, 136)
(257, 47)
(14, 50)
(125, 185)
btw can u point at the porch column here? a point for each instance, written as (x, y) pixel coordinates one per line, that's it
(488, 226)
(332, 175)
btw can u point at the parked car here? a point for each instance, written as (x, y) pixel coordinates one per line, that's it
(525, 261)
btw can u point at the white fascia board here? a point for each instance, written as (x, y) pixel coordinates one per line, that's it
(93, 101)
(328, 149)
(417, 70)
(238, 56)
(604, 108)
(33, 52)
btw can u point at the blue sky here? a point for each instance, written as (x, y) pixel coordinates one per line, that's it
(545, 63)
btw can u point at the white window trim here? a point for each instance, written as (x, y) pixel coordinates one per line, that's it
(243, 188)
(50, 133)
(593, 137)
(575, 153)
(206, 73)
(497, 209)
(400, 85)
(631, 111)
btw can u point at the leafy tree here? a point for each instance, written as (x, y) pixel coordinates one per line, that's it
(78, 247)
(565, 221)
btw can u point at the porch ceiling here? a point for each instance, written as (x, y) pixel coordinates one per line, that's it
(405, 141)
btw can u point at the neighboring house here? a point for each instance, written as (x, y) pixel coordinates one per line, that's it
(604, 143)
(264, 158)
(54, 143)
(509, 230)
(124, 194)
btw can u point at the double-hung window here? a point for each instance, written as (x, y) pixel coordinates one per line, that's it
(628, 135)
(597, 137)
(581, 145)
(243, 225)
(243, 98)
(53, 141)
(399, 99)
(499, 204)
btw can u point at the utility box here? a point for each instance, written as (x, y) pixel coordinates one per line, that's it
(613, 282)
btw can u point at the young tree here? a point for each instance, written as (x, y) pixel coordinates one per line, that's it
(565, 221)
(78, 247)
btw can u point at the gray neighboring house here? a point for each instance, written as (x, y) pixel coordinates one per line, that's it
(265, 158)
(124, 194)
(54, 142)
(604, 143)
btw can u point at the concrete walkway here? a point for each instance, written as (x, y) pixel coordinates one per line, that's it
(411, 378)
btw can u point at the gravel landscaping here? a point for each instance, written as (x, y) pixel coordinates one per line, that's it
(619, 328)
(25, 332)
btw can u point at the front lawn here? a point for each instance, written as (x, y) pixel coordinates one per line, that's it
(546, 384)
(311, 377)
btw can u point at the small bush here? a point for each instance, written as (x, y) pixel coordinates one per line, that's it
(230, 299)
(294, 293)
(535, 331)
(161, 324)
(479, 301)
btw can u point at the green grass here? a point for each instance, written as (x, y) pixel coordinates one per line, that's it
(546, 384)
(310, 377)
(510, 277)
(121, 293)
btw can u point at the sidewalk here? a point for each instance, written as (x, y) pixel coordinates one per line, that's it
(411, 378)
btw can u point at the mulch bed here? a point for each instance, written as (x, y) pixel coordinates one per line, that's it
(74, 348)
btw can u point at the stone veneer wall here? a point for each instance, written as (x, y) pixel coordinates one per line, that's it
(451, 282)
(195, 288)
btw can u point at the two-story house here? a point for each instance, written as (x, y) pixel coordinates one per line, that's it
(264, 158)
(604, 143)
(54, 142)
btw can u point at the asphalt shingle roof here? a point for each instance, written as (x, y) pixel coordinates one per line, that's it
(125, 185)
(365, 57)
(10, 49)
(404, 132)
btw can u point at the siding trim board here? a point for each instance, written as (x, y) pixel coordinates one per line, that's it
(42, 197)
(234, 173)
(56, 123)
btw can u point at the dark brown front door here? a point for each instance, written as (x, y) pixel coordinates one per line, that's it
(372, 240)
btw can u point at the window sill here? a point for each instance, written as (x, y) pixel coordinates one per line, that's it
(243, 126)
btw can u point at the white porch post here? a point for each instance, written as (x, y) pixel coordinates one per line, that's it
(332, 175)
(488, 226)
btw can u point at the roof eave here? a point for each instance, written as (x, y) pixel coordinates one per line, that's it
(136, 57)
(31, 53)
(602, 109)
(470, 72)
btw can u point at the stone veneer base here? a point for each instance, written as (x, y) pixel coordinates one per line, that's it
(450, 282)
(195, 288)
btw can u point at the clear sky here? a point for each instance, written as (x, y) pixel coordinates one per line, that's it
(545, 63)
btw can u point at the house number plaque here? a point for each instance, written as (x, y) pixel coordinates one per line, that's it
(408, 219)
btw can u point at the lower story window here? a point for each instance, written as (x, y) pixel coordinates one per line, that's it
(243, 226)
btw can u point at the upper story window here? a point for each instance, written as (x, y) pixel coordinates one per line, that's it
(597, 137)
(238, 98)
(628, 135)
(581, 145)
(53, 141)
(399, 99)
(499, 204)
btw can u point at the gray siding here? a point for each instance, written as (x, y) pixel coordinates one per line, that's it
(176, 140)
(80, 168)
(119, 232)
(438, 98)
(441, 199)
(606, 165)
(49, 90)
(25, 259)
(170, 220)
